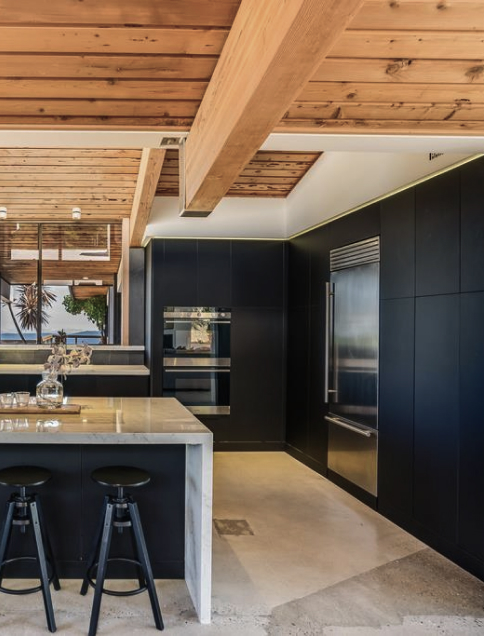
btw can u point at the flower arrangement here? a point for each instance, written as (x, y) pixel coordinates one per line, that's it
(62, 361)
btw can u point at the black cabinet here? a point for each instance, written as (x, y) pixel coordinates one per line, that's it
(397, 273)
(257, 375)
(317, 409)
(395, 441)
(472, 226)
(437, 414)
(258, 274)
(354, 227)
(437, 235)
(214, 274)
(299, 264)
(471, 442)
(298, 347)
(178, 284)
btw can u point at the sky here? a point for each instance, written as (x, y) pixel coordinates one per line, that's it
(58, 316)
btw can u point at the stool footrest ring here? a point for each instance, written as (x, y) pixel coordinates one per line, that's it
(138, 590)
(25, 590)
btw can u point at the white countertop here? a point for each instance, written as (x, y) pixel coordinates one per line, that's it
(136, 420)
(84, 369)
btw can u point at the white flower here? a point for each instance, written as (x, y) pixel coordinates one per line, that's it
(61, 361)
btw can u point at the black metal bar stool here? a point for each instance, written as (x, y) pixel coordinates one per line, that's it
(119, 511)
(24, 510)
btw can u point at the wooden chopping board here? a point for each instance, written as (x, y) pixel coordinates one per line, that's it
(33, 409)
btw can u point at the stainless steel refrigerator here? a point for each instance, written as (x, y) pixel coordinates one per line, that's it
(351, 360)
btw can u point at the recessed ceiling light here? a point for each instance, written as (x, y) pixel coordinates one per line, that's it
(76, 214)
(3, 213)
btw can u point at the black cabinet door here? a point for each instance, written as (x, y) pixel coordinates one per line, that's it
(472, 226)
(354, 227)
(436, 413)
(437, 235)
(178, 273)
(298, 346)
(471, 443)
(214, 274)
(257, 380)
(397, 273)
(299, 263)
(395, 441)
(317, 409)
(257, 273)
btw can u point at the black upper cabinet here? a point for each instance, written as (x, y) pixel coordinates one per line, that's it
(471, 443)
(178, 274)
(318, 243)
(397, 273)
(436, 413)
(472, 226)
(395, 438)
(258, 273)
(437, 235)
(299, 257)
(354, 227)
(214, 273)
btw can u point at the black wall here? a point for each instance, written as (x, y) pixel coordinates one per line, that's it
(431, 428)
(249, 277)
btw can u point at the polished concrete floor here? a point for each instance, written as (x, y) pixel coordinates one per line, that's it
(293, 555)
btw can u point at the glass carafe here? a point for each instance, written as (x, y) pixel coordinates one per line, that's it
(49, 392)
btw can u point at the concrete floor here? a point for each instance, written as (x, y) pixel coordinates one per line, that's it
(293, 555)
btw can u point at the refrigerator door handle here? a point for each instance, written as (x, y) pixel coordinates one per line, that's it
(354, 429)
(328, 344)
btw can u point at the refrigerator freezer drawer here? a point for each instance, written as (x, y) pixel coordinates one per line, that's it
(352, 453)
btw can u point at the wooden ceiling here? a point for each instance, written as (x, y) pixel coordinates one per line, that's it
(69, 251)
(268, 174)
(230, 72)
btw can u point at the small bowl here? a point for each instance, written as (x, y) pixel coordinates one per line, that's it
(6, 399)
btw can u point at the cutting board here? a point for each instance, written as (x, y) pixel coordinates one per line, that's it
(33, 409)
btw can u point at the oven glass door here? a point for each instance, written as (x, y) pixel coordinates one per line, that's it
(191, 332)
(201, 390)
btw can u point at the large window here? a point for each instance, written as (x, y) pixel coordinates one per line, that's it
(74, 266)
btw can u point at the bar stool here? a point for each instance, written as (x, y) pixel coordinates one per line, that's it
(24, 510)
(119, 511)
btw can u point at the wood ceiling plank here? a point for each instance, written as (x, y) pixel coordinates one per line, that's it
(404, 70)
(87, 171)
(112, 66)
(431, 45)
(102, 89)
(27, 189)
(448, 15)
(88, 40)
(390, 92)
(80, 162)
(272, 50)
(286, 157)
(101, 122)
(121, 12)
(403, 127)
(396, 111)
(99, 109)
(149, 174)
(15, 180)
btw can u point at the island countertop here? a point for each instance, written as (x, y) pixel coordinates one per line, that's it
(84, 369)
(107, 420)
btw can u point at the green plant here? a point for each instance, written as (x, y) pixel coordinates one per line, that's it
(93, 308)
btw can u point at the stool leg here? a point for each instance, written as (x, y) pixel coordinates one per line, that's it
(145, 563)
(95, 547)
(7, 530)
(44, 576)
(101, 568)
(48, 546)
(139, 569)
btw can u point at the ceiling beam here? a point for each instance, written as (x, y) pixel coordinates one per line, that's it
(272, 51)
(149, 173)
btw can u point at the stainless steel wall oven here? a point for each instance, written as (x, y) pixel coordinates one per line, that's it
(196, 358)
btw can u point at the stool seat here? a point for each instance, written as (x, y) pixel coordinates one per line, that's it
(24, 476)
(120, 476)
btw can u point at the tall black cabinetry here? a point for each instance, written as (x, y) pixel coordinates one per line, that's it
(250, 278)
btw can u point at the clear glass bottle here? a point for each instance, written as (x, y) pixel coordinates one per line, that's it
(49, 392)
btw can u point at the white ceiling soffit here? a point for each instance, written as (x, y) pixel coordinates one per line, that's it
(85, 138)
(374, 143)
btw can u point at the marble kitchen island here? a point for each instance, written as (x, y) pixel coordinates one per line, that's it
(157, 434)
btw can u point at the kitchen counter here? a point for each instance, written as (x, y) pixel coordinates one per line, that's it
(158, 434)
(84, 369)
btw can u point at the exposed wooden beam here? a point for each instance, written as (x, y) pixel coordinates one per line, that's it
(149, 173)
(271, 52)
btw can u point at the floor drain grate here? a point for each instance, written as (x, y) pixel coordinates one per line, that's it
(235, 527)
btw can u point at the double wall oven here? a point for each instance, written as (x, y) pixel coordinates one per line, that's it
(196, 358)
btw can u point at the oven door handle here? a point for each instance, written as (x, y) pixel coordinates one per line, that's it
(199, 370)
